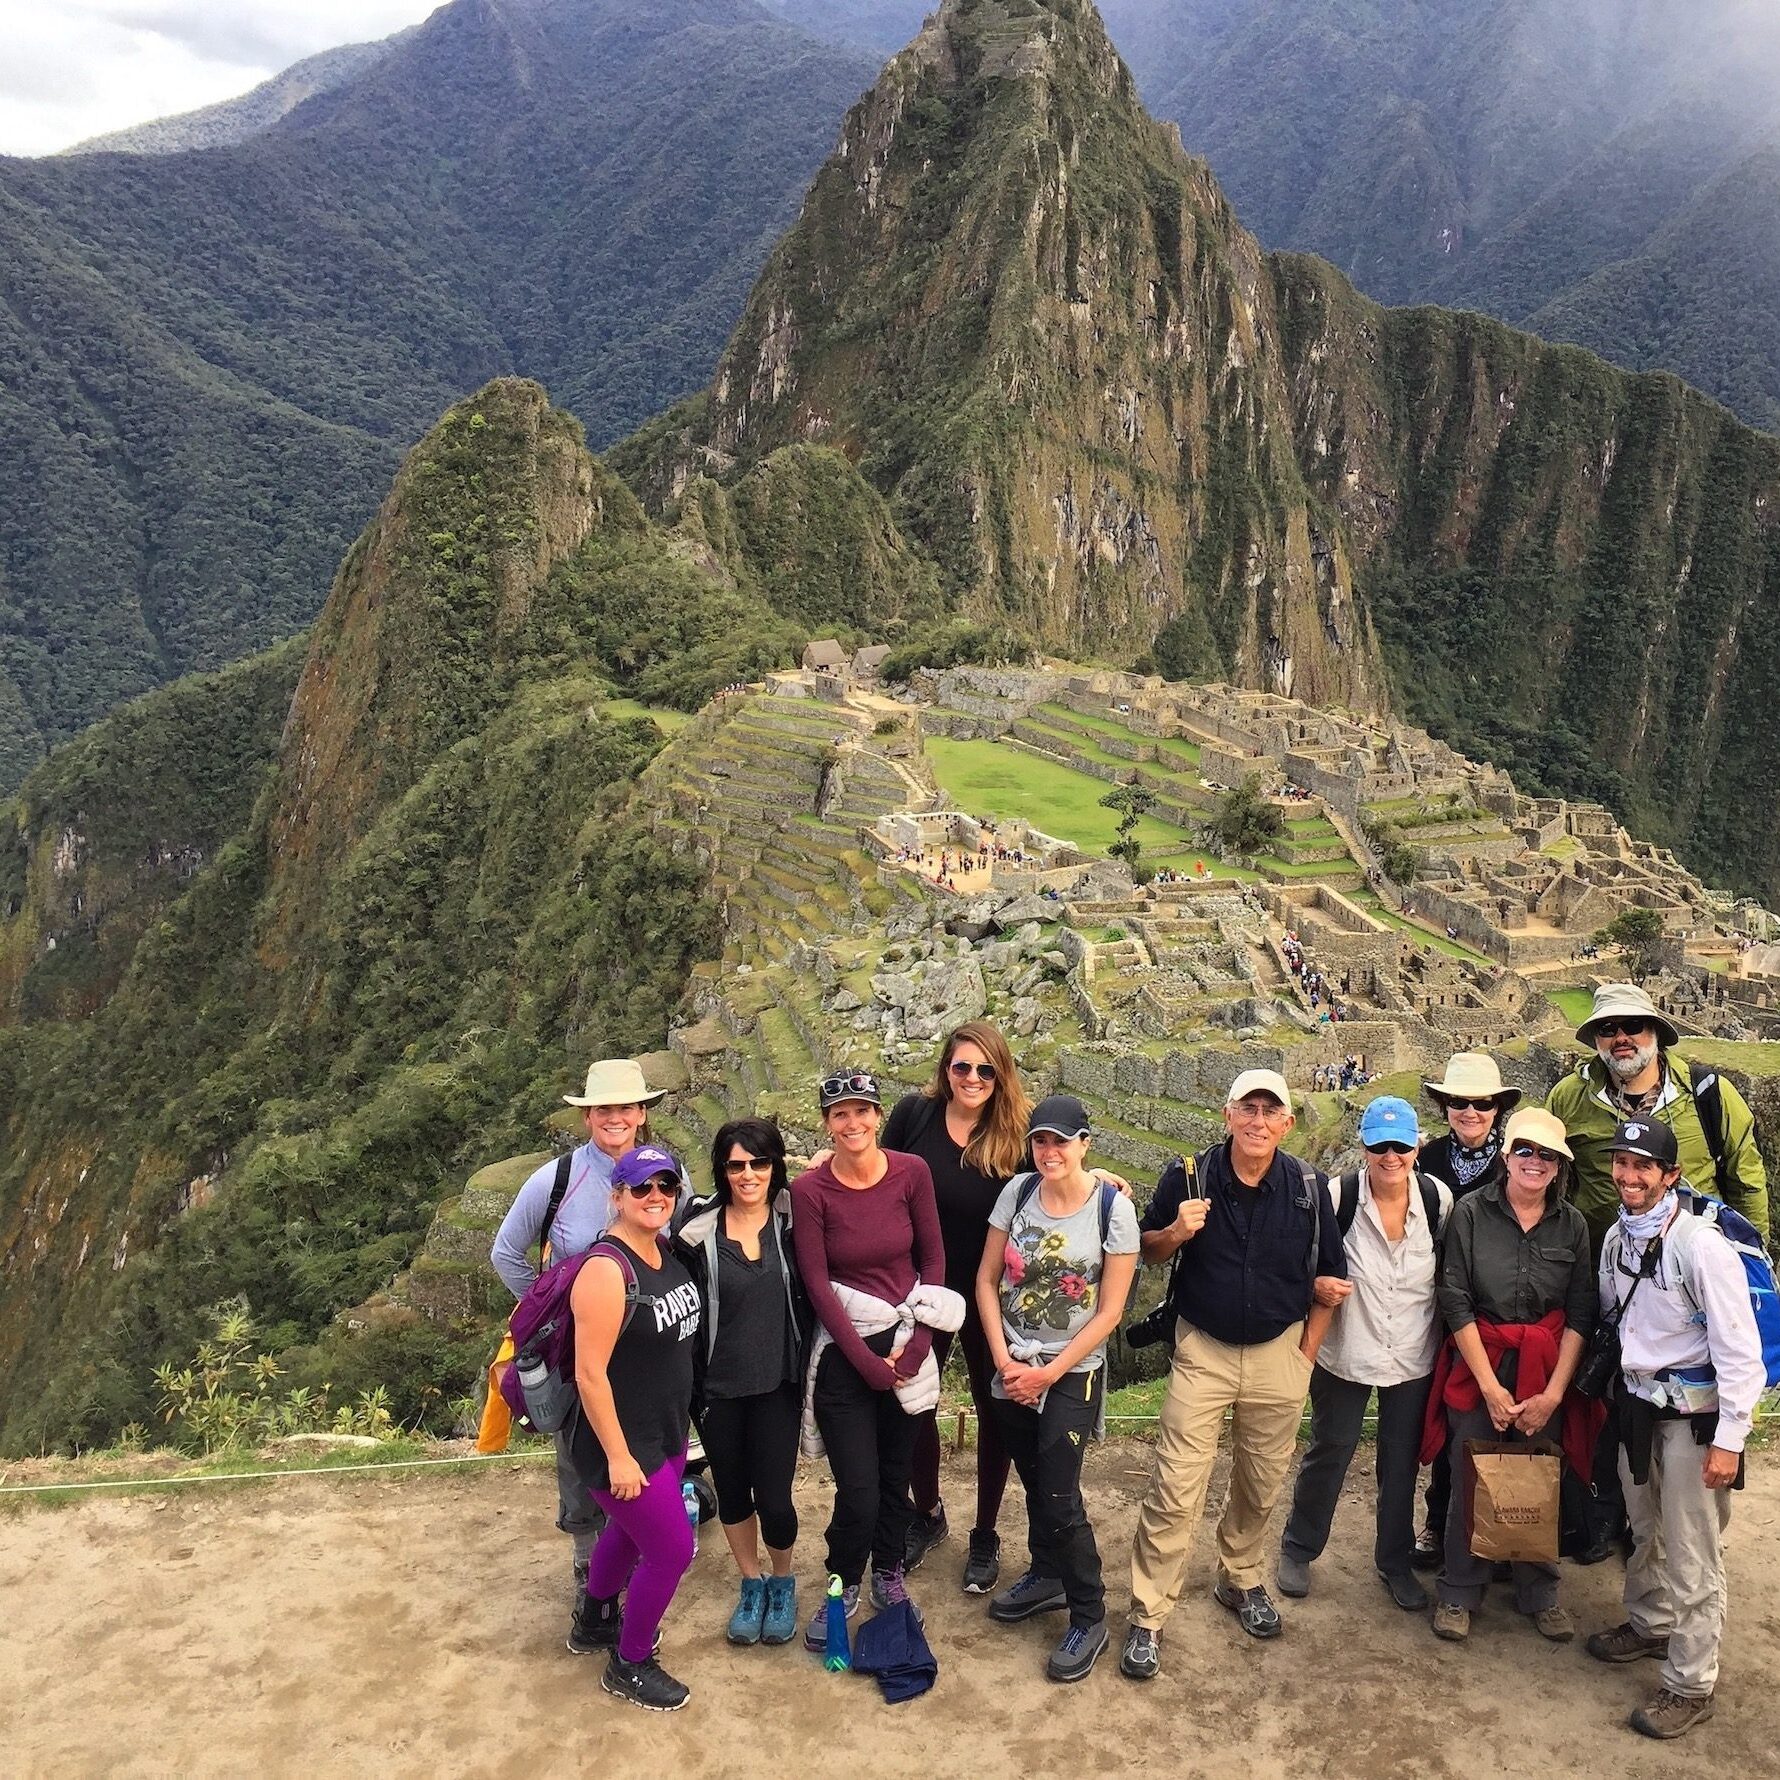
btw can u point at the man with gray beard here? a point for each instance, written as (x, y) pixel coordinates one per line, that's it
(1633, 1075)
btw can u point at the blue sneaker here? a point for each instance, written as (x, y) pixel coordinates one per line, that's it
(1030, 1595)
(1077, 1653)
(815, 1634)
(779, 1623)
(750, 1610)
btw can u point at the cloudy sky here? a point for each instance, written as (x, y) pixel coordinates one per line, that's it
(73, 68)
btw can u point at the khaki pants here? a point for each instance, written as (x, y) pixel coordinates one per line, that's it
(1265, 1386)
(1674, 1584)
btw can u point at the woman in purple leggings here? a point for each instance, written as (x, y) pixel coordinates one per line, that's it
(636, 1312)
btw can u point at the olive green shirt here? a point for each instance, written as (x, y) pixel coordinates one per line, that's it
(1492, 1268)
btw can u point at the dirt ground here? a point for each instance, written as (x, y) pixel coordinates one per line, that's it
(414, 1626)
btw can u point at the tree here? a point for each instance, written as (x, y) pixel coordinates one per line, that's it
(1637, 935)
(1246, 823)
(1401, 862)
(1133, 803)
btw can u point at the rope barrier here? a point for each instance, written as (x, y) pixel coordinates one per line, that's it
(138, 1483)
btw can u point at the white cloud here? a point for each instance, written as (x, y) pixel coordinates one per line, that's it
(74, 68)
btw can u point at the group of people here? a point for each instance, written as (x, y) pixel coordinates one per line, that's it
(1459, 1281)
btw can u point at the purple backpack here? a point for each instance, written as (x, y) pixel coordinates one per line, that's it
(539, 1387)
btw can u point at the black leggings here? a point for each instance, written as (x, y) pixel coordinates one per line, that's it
(992, 1459)
(871, 1447)
(752, 1445)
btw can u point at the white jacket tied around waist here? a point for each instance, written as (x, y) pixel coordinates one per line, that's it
(936, 1306)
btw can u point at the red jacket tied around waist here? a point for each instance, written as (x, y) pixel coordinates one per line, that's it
(1454, 1387)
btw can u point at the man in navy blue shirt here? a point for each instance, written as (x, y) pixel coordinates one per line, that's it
(1252, 1232)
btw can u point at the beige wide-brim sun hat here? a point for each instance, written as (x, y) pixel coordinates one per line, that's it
(615, 1081)
(1626, 1001)
(1473, 1075)
(1533, 1124)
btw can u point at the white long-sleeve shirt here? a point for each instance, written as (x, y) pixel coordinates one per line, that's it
(1691, 1317)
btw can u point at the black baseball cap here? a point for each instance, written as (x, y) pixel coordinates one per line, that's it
(1649, 1138)
(1060, 1114)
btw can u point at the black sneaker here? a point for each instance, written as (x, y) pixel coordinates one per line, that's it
(1142, 1655)
(1253, 1607)
(1030, 1595)
(925, 1532)
(1078, 1652)
(646, 1684)
(596, 1625)
(983, 1566)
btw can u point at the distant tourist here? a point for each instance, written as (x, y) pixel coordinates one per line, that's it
(1517, 1292)
(1054, 1276)
(1244, 1221)
(867, 1237)
(635, 1374)
(1474, 1101)
(737, 1245)
(563, 1210)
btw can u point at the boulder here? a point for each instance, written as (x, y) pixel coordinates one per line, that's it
(1024, 910)
(846, 1002)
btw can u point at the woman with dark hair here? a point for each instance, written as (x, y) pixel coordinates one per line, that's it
(737, 1246)
(1474, 1101)
(1517, 1292)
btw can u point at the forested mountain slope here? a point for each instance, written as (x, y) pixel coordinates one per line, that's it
(211, 362)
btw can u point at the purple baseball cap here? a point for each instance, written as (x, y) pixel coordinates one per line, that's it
(643, 1163)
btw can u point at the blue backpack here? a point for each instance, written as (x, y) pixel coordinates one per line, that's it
(1758, 1270)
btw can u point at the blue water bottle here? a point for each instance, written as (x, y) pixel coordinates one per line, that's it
(689, 1496)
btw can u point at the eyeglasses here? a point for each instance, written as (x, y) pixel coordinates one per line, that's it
(1621, 1028)
(1390, 1149)
(1455, 1104)
(747, 1164)
(845, 1087)
(984, 1072)
(656, 1183)
(1524, 1150)
(1258, 1109)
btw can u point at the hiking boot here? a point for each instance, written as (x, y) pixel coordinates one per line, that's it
(1554, 1623)
(750, 1610)
(645, 1684)
(1253, 1607)
(1030, 1595)
(1452, 1623)
(890, 1589)
(1404, 1590)
(815, 1634)
(1078, 1652)
(925, 1532)
(1624, 1644)
(1142, 1656)
(983, 1566)
(1428, 1545)
(596, 1625)
(1670, 1714)
(778, 1623)
(1294, 1577)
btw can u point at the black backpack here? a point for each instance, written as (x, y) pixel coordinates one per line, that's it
(1349, 1206)
(1708, 1099)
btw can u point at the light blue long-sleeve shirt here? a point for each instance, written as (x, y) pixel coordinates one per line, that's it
(581, 1219)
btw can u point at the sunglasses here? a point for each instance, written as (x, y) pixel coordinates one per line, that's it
(1454, 1103)
(664, 1184)
(746, 1165)
(984, 1072)
(1524, 1150)
(845, 1087)
(1390, 1149)
(1621, 1028)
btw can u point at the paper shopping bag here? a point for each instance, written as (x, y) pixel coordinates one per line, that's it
(1514, 1502)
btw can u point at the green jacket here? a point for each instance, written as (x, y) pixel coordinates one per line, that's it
(1580, 1100)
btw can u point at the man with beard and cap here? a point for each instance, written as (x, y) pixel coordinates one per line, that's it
(1634, 1075)
(1691, 1373)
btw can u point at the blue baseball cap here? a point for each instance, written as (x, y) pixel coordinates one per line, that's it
(1389, 1120)
(643, 1163)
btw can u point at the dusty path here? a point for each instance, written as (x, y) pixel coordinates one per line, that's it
(414, 1627)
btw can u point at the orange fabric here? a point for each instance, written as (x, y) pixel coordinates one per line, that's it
(497, 1419)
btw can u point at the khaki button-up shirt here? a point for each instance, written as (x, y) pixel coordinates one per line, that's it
(1387, 1330)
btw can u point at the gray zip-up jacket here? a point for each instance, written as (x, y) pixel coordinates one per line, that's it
(696, 1237)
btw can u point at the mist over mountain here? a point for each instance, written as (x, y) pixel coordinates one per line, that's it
(210, 362)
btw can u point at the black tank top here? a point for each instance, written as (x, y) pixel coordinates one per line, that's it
(650, 1370)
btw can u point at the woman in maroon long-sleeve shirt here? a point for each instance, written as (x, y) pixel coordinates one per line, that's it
(865, 1218)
